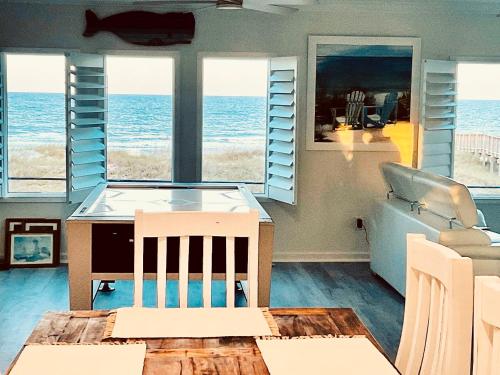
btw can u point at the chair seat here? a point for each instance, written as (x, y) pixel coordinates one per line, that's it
(374, 117)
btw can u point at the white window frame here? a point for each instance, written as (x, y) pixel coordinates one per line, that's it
(480, 60)
(27, 197)
(62, 197)
(177, 141)
(175, 56)
(199, 106)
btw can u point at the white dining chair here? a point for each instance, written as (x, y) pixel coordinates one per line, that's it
(185, 224)
(437, 327)
(486, 325)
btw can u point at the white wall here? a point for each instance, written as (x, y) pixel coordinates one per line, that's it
(333, 188)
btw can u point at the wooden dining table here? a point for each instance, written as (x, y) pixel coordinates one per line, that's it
(189, 356)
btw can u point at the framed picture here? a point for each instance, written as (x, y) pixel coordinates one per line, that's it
(363, 93)
(32, 242)
(3, 262)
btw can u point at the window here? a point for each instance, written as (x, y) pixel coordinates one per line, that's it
(70, 123)
(139, 129)
(234, 121)
(477, 135)
(36, 123)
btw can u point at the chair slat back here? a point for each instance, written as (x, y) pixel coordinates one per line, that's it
(162, 225)
(390, 102)
(487, 325)
(354, 105)
(437, 327)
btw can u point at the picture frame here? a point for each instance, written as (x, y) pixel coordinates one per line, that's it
(32, 242)
(356, 86)
(3, 262)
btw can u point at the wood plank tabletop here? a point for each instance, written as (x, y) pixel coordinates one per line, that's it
(218, 356)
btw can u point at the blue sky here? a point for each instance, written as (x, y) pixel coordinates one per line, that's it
(44, 73)
(479, 81)
(140, 75)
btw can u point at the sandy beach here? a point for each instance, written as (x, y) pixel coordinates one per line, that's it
(228, 164)
(41, 161)
(469, 170)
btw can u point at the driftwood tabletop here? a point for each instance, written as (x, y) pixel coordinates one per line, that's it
(229, 355)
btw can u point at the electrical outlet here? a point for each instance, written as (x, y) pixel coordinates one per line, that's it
(359, 223)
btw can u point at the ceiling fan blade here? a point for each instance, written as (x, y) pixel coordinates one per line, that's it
(267, 8)
(291, 2)
(174, 2)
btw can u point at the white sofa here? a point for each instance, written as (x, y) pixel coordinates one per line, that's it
(440, 208)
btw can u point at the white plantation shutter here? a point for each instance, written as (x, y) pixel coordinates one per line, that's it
(281, 128)
(438, 117)
(3, 127)
(86, 124)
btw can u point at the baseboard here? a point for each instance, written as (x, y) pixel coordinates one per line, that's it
(307, 257)
(321, 257)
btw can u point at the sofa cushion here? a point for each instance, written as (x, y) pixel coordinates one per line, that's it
(479, 252)
(461, 237)
(494, 237)
(445, 197)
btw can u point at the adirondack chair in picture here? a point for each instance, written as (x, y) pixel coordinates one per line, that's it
(382, 113)
(354, 106)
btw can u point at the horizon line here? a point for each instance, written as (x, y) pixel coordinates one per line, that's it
(122, 93)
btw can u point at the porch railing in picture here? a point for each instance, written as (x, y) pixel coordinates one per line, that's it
(485, 147)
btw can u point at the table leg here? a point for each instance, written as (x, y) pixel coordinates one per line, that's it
(266, 239)
(79, 240)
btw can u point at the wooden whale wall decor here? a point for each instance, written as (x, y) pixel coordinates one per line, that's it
(144, 28)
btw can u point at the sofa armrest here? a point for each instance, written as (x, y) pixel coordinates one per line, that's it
(481, 220)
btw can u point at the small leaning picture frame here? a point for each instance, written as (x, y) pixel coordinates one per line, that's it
(32, 242)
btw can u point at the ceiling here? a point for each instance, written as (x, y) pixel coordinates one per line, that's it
(488, 7)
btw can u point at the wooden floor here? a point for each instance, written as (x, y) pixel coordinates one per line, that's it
(25, 294)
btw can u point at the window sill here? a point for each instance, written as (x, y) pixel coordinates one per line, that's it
(34, 198)
(487, 198)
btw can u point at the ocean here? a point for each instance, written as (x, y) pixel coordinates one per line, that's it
(478, 116)
(144, 122)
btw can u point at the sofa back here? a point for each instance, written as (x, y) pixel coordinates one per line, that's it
(399, 181)
(440, 195)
